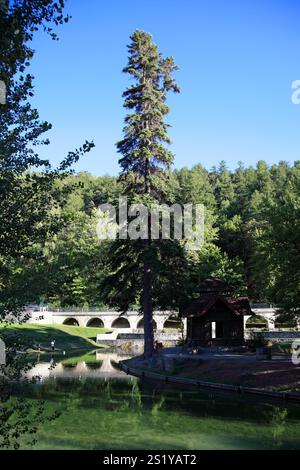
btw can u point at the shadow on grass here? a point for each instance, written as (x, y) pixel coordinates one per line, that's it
(35, 336)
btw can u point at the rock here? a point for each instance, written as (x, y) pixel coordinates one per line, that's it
(169, 364)
(263, 353)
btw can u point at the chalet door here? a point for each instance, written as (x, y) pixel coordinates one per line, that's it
(219, 329)
(206, 332)
(201, 330)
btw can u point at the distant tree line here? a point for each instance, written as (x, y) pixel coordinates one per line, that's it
(252, 239)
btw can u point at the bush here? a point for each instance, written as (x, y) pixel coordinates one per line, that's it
(256, 340)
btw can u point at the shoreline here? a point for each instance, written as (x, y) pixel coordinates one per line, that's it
(130, 367)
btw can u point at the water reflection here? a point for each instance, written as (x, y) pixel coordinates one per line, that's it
(119, 411)
(129, 414)
(95, 365)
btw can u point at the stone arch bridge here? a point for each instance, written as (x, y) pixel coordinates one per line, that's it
(131, 321)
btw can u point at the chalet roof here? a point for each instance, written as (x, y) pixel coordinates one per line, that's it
(215, 285)
(238, 305)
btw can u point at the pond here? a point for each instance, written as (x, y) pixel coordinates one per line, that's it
(102, 408)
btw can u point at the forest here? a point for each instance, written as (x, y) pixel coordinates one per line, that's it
(50, 253)
(49, 250)
(252, 218)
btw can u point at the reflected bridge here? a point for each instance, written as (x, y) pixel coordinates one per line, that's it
(104, 366)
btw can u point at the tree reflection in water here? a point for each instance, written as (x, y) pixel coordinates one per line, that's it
(124, 413)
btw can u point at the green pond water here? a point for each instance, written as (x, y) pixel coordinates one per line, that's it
(102, 408)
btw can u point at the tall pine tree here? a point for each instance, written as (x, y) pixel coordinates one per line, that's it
(145, 173)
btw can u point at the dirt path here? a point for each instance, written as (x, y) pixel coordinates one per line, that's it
(277, 375)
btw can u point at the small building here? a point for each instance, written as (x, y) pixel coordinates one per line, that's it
(216, 317)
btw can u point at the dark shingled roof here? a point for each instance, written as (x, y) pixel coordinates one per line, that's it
(238, 305)
(214, 285)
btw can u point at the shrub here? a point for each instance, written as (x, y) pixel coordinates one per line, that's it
(256, 340)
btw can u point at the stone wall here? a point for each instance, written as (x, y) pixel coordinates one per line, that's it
(134, 342)
(275, 335)
(281, 335)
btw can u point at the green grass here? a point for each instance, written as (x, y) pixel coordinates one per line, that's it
(72, 339)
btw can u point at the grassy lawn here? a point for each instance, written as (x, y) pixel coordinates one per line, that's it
(71, 339)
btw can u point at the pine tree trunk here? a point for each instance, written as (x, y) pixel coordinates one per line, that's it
(148, 312)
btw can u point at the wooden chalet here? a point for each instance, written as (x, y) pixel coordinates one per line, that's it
(216, 317)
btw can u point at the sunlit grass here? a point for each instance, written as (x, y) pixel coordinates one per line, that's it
(67, 338)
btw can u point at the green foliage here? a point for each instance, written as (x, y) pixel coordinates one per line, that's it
(144, 157)
(257, 319)
(254, 247)
(29, 198)
(256, 340)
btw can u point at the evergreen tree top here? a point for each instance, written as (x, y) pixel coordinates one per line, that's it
(145, 132)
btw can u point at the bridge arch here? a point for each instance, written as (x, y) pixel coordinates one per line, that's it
(94, 365)
(140, 324)
(120, 322)
(173, 323)
(71, 321)
(257, 321)
(95, 323)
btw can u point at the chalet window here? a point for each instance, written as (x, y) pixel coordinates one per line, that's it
(216, 329)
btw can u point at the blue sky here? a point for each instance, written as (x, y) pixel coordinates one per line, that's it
(237, 61)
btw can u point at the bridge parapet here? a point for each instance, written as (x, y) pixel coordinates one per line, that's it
(131, 320)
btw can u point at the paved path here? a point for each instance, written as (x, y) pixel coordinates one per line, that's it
(210, 355)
